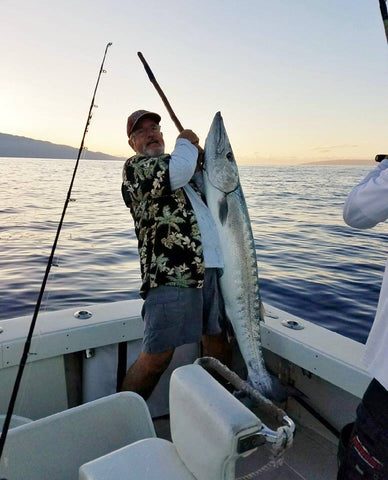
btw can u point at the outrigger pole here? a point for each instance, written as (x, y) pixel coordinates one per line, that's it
(27, 344)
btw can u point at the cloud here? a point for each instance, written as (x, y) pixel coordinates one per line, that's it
(331, 148)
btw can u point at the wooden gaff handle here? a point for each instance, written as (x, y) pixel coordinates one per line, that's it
(151, 76)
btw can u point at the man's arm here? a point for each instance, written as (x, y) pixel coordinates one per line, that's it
(367, 203)
(183, 161)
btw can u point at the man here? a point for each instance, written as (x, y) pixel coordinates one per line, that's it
(366, 456)
(179, 250)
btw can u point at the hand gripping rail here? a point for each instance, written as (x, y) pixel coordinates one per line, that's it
(279, 440)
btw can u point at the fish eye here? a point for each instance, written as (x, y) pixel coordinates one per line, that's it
(229, 156)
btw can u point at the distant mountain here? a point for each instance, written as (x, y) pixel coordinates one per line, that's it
(341, 162)
(15, 146)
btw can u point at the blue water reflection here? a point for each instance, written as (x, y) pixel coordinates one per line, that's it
(311, 264)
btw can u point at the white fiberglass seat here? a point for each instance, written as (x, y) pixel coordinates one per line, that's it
(56, 446)
(16, 421)
(207, 423)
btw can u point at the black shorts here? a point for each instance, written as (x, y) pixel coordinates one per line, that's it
(366, 456)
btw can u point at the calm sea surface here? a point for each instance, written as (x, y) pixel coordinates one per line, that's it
(310, 263)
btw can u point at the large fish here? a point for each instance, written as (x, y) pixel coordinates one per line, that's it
(239, 282)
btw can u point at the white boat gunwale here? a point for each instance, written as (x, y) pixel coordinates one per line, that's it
(331, 356)
(323, 364)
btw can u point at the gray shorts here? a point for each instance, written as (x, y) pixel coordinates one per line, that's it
(174, 316)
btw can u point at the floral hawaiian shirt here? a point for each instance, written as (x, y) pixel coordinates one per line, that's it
(169, 240)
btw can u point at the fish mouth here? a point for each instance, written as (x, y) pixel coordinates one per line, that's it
(218, 130)
(219, 163)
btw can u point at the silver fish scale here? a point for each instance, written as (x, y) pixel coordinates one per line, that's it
(240, 284)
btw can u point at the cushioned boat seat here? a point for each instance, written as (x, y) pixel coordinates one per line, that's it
(56, 446)
(206, 425)
(16, 421)
(149, 459)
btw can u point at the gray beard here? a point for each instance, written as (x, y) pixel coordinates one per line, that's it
(154, 151)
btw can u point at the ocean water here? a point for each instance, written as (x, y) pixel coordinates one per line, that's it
(310, 263)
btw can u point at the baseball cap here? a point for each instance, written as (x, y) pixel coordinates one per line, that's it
(138, 115)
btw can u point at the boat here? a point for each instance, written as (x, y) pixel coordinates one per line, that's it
(70, 423)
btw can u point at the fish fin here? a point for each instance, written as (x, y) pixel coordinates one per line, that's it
(223, 209)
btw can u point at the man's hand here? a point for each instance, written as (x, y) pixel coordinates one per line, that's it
(190, 136)
(193, 138)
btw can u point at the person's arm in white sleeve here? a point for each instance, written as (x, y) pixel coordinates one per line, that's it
(367, 203)
(183, 163)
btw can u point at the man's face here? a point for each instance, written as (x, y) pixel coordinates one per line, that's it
(147, 138)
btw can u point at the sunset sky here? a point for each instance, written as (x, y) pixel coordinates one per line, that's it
(296, 81)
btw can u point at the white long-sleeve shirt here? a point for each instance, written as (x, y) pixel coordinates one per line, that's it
(367, 205)
(182, 167)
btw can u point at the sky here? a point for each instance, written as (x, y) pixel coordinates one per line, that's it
(295, 80)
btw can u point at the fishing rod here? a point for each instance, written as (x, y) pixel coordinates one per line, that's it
(384, 15)
(27, 344)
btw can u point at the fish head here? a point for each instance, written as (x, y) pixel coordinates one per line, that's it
(220, 165)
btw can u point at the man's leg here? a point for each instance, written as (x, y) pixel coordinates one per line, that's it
(217, 346)
(145, 373)
(214, 339)
(366, 455)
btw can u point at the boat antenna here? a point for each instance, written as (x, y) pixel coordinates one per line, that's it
(152, 78)
(27, 344)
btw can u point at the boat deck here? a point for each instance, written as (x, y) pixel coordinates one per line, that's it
(311, 457)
